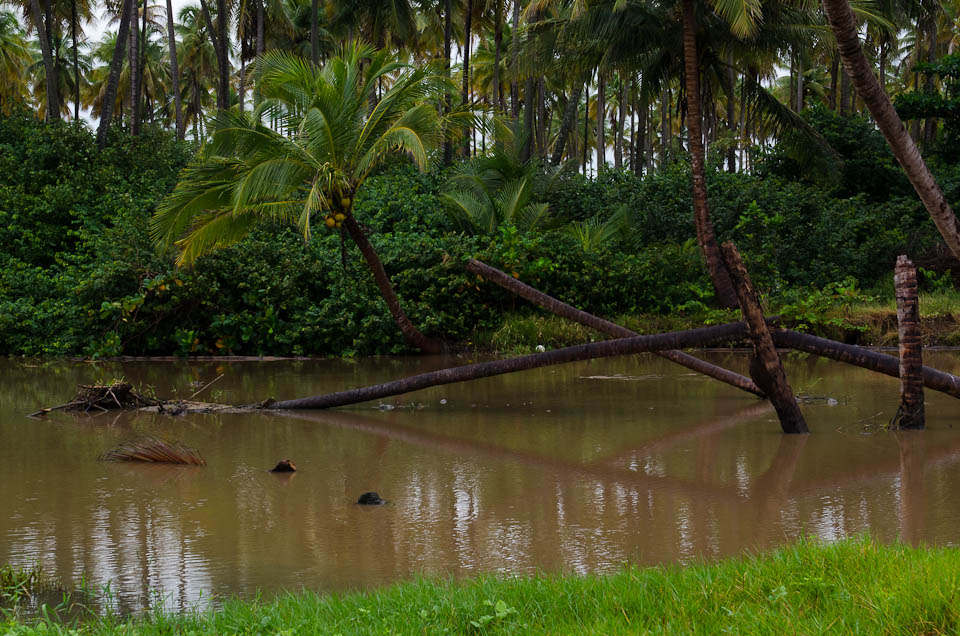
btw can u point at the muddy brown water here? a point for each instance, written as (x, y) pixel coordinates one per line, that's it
(576, 468)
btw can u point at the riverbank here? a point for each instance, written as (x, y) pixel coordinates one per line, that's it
(852, 587)
(871, 323)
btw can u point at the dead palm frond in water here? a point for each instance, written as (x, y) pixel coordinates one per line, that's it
(151, 449)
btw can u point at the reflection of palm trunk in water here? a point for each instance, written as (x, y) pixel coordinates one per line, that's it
(911, 485)
(769, 492)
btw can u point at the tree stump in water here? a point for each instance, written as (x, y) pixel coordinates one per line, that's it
(910, 411)
(765, 367)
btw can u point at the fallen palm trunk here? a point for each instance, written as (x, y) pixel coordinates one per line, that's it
(860, 357)
(569, 312)
(702, 337)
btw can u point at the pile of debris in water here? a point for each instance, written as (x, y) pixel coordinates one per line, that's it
(121, 395)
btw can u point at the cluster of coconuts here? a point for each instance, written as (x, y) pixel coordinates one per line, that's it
(336, 219)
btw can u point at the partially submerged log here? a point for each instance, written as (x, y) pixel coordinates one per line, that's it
(863, 358)
(910, 410)
(703, 337)
(153, 450)
(765, 366)
(569, 312)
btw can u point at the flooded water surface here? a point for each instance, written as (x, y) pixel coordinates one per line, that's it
(575, 468)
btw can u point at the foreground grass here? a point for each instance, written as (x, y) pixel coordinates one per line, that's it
(852, 587)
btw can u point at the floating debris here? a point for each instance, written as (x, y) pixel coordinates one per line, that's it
(103, 397)
(284, 466)
(370, 499)
(153, 450)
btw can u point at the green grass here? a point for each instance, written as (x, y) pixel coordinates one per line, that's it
(852, 587)
(872, 323)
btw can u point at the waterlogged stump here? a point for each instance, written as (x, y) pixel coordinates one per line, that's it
(371, 499)
(765, 366)
(910, 411)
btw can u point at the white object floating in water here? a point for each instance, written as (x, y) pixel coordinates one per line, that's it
(443, 400)
(386, 407)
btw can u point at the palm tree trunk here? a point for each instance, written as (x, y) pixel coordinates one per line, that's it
(465, 91)
(601, 121)
(930, 124)
(223, 57)
(704, 336)
(722, 284)
(174, 72)
(515, 62)
(903, 147)
(541, 118)
(562, 309)
(529, 87)
(586, 125)
(498, 102)
(621, 117)
(76, 65)
(113, 80)
(569, 117)
(49, 68)
(447, 37)
(133, 64)
(410, 333)
(315, 32)
(731, 114)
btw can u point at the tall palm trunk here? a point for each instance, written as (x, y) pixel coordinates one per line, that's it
(515, 62)
(706, 238)
(731, 114)
(621, 118)
(498, 102)
(76, 65)
(904, 149)
(601, 123)
(930, 124)
(465, 91)
(113, 80)
(447, 36)
(566, 125)
(49, 67)
(315, 32)
(410, 333)
(174, 72)
(134, 66)
(223, 57)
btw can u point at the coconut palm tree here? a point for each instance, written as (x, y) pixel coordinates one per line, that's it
(249, 173)
(845, 29)
(15, 58)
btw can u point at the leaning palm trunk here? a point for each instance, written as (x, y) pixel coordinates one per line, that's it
(567, 123)
(410, 333)
(904, 148)
(110, 94)
(706, 237)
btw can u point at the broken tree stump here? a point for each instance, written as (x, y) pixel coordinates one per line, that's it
(765, 366)
(910, 410)
(569, 312)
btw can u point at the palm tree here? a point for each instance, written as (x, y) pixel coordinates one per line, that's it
(249, 173)
(487, 192)
(14, 60)
(113, 76)
(845, 29)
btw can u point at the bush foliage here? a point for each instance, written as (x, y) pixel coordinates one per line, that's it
(79, 275)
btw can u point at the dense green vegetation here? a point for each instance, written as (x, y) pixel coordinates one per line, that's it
(80, 276)
(852, 587)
